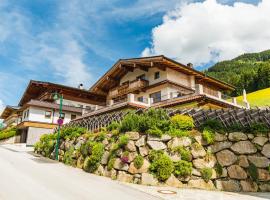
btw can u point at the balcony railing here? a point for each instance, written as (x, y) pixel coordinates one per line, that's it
(128, 88)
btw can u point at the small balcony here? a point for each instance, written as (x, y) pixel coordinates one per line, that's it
(129, 87)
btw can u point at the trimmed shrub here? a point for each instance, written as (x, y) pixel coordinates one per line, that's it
(206, 174)
(138, 161)
(208, 135)
(100, 136)
(47, 143)
(92, 162)
(174, 132)
(130, 123)
(213, 124)
(155, 132)
(123, 140)
(113, 126)
(218, 169)
(182, 122)
(7, 133)
(253, 172)
(68, 160)
(182, 168)
(72, 132)
(155, 154)
(259, 128)
(162, 167)
(111, 163)
(185, 153)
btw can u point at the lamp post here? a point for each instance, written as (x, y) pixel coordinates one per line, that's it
(57, 96)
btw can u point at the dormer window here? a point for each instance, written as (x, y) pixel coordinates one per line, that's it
(157, 75)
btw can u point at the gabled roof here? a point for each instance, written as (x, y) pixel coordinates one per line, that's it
(112, 77)
(36, 89)
(8, 111)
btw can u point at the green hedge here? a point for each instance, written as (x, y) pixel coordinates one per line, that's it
(7, 133)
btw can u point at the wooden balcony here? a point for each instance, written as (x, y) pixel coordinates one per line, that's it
(130, 87)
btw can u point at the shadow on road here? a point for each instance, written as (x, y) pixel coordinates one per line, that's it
(39, 159)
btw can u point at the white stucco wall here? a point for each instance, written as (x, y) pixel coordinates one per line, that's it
(34, 134)
(37, 114)
(180, 78)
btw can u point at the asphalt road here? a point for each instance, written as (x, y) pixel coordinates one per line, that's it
(24, 176)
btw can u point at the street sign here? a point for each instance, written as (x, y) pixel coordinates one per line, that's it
(60, 121)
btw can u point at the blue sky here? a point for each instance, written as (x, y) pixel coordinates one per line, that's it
(76, 41)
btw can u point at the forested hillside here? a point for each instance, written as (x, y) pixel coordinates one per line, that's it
(250, 71)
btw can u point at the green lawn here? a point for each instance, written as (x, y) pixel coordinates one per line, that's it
(258, 98)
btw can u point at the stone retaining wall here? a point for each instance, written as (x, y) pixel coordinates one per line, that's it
(239, 162)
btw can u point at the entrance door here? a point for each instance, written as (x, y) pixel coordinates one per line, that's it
(23, 136)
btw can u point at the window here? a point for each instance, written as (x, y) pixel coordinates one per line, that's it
(48, 114)
(157, 75)
(140, 99)
(62, 116)
(141, 77)
(156, 97)
(26, 114)
(80, 106)
(73, 116)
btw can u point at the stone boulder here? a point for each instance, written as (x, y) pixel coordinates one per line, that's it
(237, 172)
(144, 151)
(230, 185)
(141, 142)
(173, 182)
(130, 146)
(244, 147)
(133, 135)
(119, 165)
(176, 142)
(263, 175)
(266, 150)
(105, 158)
(218, 146)
(148, 179)
(220, 137)
(249, 186)
(226, 158)
(203, 162)
(197, 150)
(237, 136)
(80, 162)
(124, 177)
(260, 140)
(163, 138)
(133, 170)
(243, 161)
(100, 171)
(265, 187)
(132, 156)
(261, 162)
(156, 145)
(201, 184)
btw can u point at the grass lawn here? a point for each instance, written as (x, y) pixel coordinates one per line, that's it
(259, 98)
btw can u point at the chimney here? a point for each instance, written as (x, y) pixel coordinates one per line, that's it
(80, 86)
(190, 65)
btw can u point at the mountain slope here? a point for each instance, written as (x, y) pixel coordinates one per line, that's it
(259, 98)
(249, 71)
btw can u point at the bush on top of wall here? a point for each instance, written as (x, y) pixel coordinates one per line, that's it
(7, 133)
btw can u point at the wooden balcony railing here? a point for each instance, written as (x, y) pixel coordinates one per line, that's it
(128, 88)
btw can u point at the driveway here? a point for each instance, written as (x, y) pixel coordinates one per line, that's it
(25, 176)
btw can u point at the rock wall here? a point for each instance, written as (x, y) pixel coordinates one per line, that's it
(239, 161)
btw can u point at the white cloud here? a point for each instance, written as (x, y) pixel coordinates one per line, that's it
(2, 106)
(209, 31)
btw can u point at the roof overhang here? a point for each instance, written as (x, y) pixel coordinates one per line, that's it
(8, 111)
(112, 77)
(38, 89)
